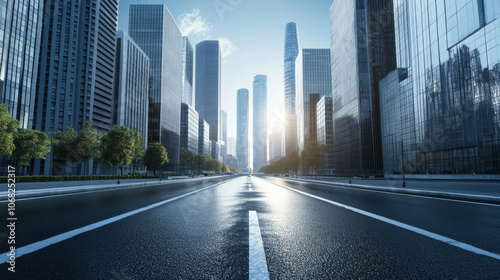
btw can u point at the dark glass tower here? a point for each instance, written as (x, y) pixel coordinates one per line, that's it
(187, 72)
(291, 53)
(208, 85)
(155, 31)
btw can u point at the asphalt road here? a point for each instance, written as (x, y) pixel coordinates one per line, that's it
(245, 228)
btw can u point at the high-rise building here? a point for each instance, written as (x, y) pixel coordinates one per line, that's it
(204, 145)
(208, 85)
(242, 112)
(20, 37)
(362, 53)
(153, 28)
(215, 151)
(440, 108)
(131, 86)
(189, 128)
(313, 81)
(76, 76)
(324, 112)
(275, 151)
(223, 148)
(291, 53)
(187, 72)
(231, 146)
(259, 121)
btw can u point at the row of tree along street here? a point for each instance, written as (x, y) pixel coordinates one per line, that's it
(119, 147)
(310, 161)
(192, 162)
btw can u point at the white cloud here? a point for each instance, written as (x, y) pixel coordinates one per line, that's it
(193, 24)
(227, 47)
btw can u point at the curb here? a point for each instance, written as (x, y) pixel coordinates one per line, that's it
(456, 196)
(93, 188)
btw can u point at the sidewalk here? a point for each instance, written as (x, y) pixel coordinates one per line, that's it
(480, 191)
(28, 190)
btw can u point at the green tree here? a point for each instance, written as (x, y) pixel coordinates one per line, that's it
(86, 144)
(311, 157)
(8, 128)
(30, 144)
(138, 151)
(155, 156)
(117, 147)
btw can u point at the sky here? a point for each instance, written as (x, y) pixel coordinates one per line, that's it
(252, 34)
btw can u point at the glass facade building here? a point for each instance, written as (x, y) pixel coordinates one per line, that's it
(445, 96)
(362, 53)
(242, 112)
(275, 151)
(187, 72)
(208, 85)
(313, 81)
(76, 72)
(223, 148)
(259, 121)
(20, 37)
(153, 28)
(189, 128)
(131, 88)
(291, 53)
(204, 145)
(324, 113)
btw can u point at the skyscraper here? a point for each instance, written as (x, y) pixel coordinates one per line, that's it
(242, 112)
(76, 74)
(324, 112)
(208, 85)
(231, 146)
(223, 148)
(204, 145)
(291, 53)
(362, 53)
(440, 107)
(275, 143)
(20, 36)
(259, 121)
(187, 72)
(131, 86)
(313, 81)
(189, 128)
(153, 28)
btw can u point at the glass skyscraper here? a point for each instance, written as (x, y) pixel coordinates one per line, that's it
(208, 85)
(187, 72)
(362, 53)
(291, 53)
(443, 102)
(189, 128)
(324, 112)
(242, 112)
(259, 121)
(131, 88)
(204, 145)
(313, 81)
(153, 28)
(76, 76)
(20, 37)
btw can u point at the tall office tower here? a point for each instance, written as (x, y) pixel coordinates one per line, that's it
(208, 85)
(313, 81)
(215, 150)
(275, 143)
(189, 128)
(204, 145)
(153, 28)
(440, 108)
(223, 148)
(20, 36)
(187, 71)
(231, 146)
(242, 112)
(362, 53)
(131, 87)
(291, 53)
(259, 121)
(76, 70)
(324, 113)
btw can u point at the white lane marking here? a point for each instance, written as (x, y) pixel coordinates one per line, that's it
(257, 256)
(420, 231)
(67, 235)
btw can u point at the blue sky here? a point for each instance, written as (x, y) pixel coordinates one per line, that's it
(252, 33)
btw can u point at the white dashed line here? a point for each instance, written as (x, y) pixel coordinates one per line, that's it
(257, 256)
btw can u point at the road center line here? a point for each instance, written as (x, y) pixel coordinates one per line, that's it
(420, 231)
(67, 235)
(257, 256)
